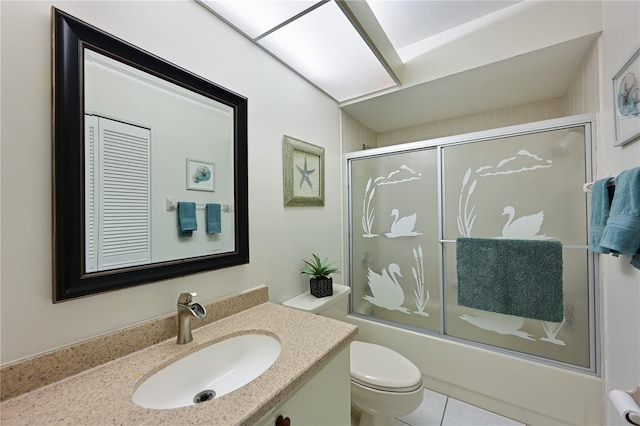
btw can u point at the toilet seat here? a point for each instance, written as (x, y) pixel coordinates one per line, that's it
(381, 368)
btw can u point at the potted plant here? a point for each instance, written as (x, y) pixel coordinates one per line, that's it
(320, 283)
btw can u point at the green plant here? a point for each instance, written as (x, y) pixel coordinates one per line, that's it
(318, 268)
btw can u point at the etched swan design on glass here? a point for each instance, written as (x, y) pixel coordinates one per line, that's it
(552, 329)
(402, 227)
(385, 288)
(499, 323)
(523, 227)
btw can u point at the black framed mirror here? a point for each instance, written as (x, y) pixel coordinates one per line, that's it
(121, 198)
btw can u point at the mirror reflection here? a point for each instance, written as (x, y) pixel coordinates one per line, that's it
(150, 166)
(147, 141)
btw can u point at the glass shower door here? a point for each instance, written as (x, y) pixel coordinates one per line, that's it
(394, 238)
(525, 187)
(413, 206)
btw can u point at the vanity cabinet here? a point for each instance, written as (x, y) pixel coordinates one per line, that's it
(323, 401)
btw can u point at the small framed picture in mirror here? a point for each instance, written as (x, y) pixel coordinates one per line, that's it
(200, 175)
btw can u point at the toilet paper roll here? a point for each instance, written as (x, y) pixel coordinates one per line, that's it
(626, 406)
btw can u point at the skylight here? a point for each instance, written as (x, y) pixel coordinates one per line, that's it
(314, 38)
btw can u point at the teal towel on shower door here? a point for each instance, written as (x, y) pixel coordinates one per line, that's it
(513, 277)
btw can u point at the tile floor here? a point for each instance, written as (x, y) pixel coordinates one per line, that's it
(440, 410)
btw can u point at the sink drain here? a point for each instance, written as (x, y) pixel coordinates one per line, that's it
(203, 396)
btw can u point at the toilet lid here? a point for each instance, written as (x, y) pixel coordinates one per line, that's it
(381, 368)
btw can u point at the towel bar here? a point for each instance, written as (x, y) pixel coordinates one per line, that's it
(172, 205)
(587, 186)
(564, 246)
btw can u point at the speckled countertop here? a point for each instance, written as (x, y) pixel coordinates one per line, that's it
(102, 395)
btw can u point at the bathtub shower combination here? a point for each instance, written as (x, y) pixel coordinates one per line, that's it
(480, 238)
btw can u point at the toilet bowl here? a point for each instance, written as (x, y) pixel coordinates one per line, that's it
(384, 384)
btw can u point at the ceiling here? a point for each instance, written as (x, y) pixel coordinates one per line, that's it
(403, 81)
(406, 22)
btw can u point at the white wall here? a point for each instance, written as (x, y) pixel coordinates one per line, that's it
(355, 135)
(620, 281)
(184, 33)
(545, 109)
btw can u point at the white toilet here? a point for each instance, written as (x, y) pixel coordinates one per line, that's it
(384, 384)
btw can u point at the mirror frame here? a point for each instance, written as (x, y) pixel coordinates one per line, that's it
(70, 37)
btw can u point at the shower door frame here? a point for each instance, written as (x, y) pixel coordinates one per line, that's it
(588, 122)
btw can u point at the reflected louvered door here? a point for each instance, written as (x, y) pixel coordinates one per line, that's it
(124, 195)
(91, 123)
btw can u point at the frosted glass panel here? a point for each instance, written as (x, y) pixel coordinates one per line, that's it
(567, 341)
(527, 186)
(394, 231)
(521, 187)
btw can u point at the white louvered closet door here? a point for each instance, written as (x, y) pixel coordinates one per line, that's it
(91, 123)
(119, 196)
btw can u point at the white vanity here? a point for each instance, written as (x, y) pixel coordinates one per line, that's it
(323, 401)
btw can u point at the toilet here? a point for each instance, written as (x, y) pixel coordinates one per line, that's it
(384, 384)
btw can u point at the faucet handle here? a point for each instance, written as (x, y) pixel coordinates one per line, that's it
(186, 298)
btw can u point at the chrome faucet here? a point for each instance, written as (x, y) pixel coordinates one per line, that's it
(186, 309)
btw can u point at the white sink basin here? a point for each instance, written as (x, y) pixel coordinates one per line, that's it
(221, 368)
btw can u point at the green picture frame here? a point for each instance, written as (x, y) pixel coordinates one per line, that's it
(303, 173)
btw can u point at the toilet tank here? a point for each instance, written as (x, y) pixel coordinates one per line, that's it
(335, 306)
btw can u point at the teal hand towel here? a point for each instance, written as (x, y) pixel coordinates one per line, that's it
(622, 232)
(600, 205)
(187, 222)
(513, 277)
(214, 219)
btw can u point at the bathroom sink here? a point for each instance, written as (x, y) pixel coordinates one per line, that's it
(209, 373)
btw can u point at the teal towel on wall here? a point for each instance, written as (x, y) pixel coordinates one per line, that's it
(622, 232)
(187, 222)
(600, 206)
(513, 277)
(214, 219)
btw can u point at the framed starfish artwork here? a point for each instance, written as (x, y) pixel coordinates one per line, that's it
(303, 172)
